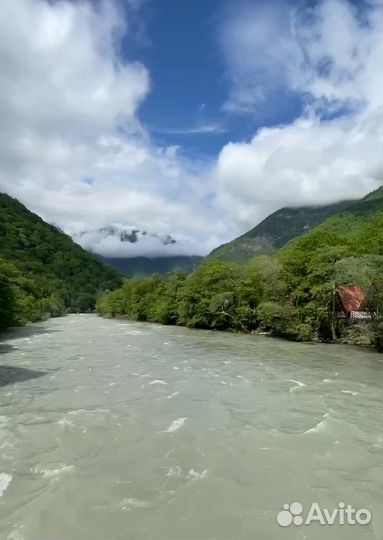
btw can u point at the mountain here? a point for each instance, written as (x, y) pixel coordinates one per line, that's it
(287, 223)
(137, 252)
(355, 215)
(42, 269)
(374, 195)
(144, 266)
(97, 240)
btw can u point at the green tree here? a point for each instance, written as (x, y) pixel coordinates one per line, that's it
(195, 307)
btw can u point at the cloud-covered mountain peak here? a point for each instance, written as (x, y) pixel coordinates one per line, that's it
(125, 240)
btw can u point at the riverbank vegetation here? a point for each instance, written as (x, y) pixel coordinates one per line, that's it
(291, 293)
(42, 271)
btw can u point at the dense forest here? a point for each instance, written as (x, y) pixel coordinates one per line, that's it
(291, 293)
(145, 266)
(42, 271)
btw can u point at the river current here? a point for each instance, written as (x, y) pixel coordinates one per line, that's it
(119, 430)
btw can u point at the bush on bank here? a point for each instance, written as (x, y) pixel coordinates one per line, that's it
(290, 294)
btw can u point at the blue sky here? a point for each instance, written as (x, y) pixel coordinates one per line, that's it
(194, 118)
(179, 42)
(189, 80)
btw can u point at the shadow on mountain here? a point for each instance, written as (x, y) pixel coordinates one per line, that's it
(12, 374)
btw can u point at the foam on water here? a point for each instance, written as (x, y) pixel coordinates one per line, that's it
(65, 422)
(129, 503)
(176, 424)
(320, 426)
(5, 480)
(298, 384)
(172, 395)
(157, 381)
(174, 471)
(16, 535)
(75, 412)
(52, 473)
(194, 475)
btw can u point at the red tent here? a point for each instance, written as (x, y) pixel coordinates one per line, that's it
(351, 298)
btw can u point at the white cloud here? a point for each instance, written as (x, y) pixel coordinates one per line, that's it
(71, 145)
(306, 162)
(199, 129)
(256, 41)
(330, 54)
(120, 240)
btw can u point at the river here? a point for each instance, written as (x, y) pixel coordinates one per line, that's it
(113, 429)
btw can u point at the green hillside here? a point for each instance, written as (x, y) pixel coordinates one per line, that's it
(145, 266)
(288, 223)
(42, 271)
(355, 215)
(291, 293)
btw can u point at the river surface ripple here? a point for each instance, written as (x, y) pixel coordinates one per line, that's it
(113, 429)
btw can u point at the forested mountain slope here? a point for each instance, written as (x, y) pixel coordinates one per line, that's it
(42, 271)
(145, 266)
(288, 223)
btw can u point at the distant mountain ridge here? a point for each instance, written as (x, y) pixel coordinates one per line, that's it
(144, 266)
(137, 252)
(288, 223)
(123, 234)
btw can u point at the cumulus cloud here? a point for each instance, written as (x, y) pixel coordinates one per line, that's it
(72, 147)
(329, 55)
(71, 144)
(304, 163)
